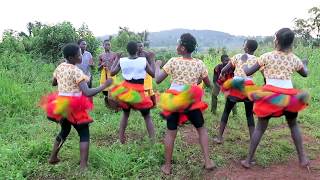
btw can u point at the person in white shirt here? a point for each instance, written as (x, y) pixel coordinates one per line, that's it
(130, 93)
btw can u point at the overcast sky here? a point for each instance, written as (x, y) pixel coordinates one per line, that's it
(237, 17)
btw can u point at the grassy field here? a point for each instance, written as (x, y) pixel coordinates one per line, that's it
(26, 135)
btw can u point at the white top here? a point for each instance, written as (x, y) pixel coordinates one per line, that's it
(177, 87)
(133, 68)
(240, 77)
(70, 94)
(279, 83)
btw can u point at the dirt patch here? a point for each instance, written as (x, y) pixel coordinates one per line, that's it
(189, 134)
(46, 176)
(105, 140)
(290, 170)
(279, 127)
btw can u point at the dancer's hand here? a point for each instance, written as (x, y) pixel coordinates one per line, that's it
(108, 82)
(158, 63)
(305, 62)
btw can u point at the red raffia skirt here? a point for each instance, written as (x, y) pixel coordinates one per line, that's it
(238, 89)
(131, 95)
(273, 101)
(174, 101)
(72, 108)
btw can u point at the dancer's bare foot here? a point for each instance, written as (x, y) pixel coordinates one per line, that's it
(54, 160)
(122, 139)
(210, 165)
(83, 167)
(166, 169)
(218, 140)
(305, 164)
(246, 164)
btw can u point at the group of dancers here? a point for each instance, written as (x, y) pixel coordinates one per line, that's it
(182, 101)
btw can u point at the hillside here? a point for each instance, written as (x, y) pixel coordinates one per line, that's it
(205, 38)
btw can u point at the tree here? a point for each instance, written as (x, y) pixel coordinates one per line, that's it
(87, 35)
(49, 40)
(11, 42)
(119, 42)
(309, 29)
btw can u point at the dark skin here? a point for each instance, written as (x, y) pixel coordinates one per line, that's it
(84, 146)
(125, 117)
(223, 124)
(263, 122)
(224, 62)
(171, 134)
(148, 55)
(107, 50)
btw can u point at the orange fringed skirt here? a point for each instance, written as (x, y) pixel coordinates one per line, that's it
(131, 95)
(273, 101)
(72, 108)
(238, 89)
(174, 101)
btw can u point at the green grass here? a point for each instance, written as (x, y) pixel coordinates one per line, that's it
(26, 136)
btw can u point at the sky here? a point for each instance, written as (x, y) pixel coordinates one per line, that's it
(237, 17)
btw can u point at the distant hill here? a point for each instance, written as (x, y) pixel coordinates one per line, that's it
(205, 38)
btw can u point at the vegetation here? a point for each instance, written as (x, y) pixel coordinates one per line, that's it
(26, 65)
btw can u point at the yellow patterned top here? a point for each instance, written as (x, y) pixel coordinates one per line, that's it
(239, 60)
(185, 71)
(279, 65)
(68, 77)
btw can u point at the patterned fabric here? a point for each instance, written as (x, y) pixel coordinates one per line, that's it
(69, 76)
(189, 99)
(130, 95)
(273, 101)
(279, 65)
(73, 108)
(239, 60)
(148, 82)
(107, 58)
(185, 71)
(238, 88)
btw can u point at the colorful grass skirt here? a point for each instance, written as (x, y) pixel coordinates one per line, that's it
(131, 95)
(73, 108)
(174, 101)
(238, 88)
(273, 101)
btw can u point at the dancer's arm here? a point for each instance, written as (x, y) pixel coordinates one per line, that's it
(93, 91)
(160, 74)
(54, 82)
(150, 68)
(115, 68)
(304, 70)
(207, 82)
(252, 69)
(226, 68)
